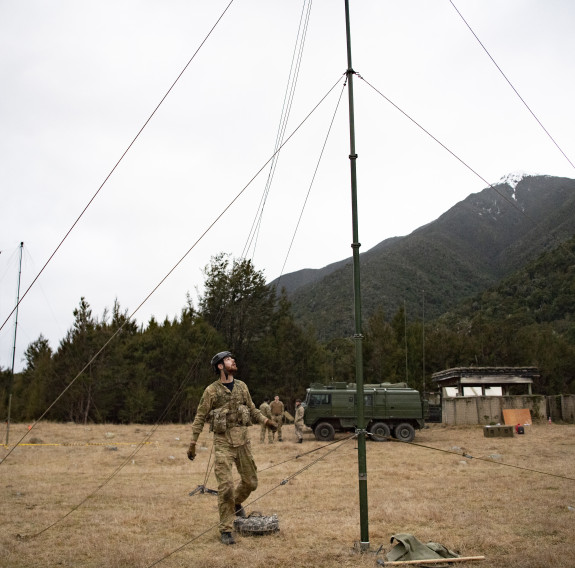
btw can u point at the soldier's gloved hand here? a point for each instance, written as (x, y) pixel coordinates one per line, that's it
(192, 451)
(271, 425)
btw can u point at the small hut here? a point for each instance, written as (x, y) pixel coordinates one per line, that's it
(483, 381)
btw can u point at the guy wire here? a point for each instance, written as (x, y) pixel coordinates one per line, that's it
(511, 85)
(469, 457)
(214, 222)
(311, 183)
(131, 455)
(464, 163)
(283, 482)
(117, 164)
(306, 453)
(279, 463)
(209, 465)
(284, 117)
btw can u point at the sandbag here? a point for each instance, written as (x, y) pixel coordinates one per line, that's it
(257, 524)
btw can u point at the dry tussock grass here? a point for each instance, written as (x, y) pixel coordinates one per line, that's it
(143, 515)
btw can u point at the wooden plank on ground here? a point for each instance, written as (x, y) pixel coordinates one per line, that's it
(431, 561)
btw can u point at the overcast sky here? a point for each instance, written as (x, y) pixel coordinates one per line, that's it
(79, 80)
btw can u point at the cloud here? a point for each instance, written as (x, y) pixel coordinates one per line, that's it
(80, 80)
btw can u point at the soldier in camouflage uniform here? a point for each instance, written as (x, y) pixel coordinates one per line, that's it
(298, 420)
(277, 408)
(265, 410)
(227, 404)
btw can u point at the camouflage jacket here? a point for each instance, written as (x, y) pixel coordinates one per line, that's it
(299, 412)
(265, 409)
(277, 407)
(228, 412)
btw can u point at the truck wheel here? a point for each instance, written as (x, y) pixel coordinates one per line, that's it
(324, 432)
(380, 432)
(404, 432)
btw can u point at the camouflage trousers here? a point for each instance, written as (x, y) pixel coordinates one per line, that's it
(299, 430)
(278, 419)
(263, 434)
(228, 495)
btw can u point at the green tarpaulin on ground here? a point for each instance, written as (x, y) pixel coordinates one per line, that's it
(409, 548)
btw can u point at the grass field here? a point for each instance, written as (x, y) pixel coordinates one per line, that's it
(118, 496)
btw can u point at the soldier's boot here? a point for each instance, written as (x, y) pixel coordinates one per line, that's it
(240, 512)
(228, 538)
(300, 441)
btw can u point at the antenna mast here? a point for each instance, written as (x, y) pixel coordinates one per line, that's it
(423, 339)
(14, 349)
(358, 337)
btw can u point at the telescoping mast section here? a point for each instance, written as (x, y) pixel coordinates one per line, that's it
(11, 385)
(358, 337)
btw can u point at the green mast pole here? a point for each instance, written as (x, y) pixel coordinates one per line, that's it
(11, 385)
(358, 337)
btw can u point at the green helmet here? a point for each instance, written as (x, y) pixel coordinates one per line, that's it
(218, 358)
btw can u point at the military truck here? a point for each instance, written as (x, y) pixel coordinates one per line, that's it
(390, 409)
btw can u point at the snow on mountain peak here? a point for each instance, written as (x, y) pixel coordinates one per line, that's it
(512, 179)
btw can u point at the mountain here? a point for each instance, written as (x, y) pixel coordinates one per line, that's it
(295, 280)
(469, 248)
(541, 292)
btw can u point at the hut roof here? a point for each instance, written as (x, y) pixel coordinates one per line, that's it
(485, 376)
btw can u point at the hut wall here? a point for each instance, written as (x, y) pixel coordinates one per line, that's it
(489, 409)
(561, 408)
(568, 408)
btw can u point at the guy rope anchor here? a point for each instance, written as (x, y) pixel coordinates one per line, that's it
(202, 488)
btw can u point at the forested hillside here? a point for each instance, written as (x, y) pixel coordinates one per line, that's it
(469, 248)
(531, 314)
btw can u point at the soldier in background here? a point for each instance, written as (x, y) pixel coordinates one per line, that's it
(227, 404)
(277, 408)
(298, 420)
(266, 411)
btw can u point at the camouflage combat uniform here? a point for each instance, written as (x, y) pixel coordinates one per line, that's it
(277, 408)
(298, 422)
(229, 413)
(265, 410)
